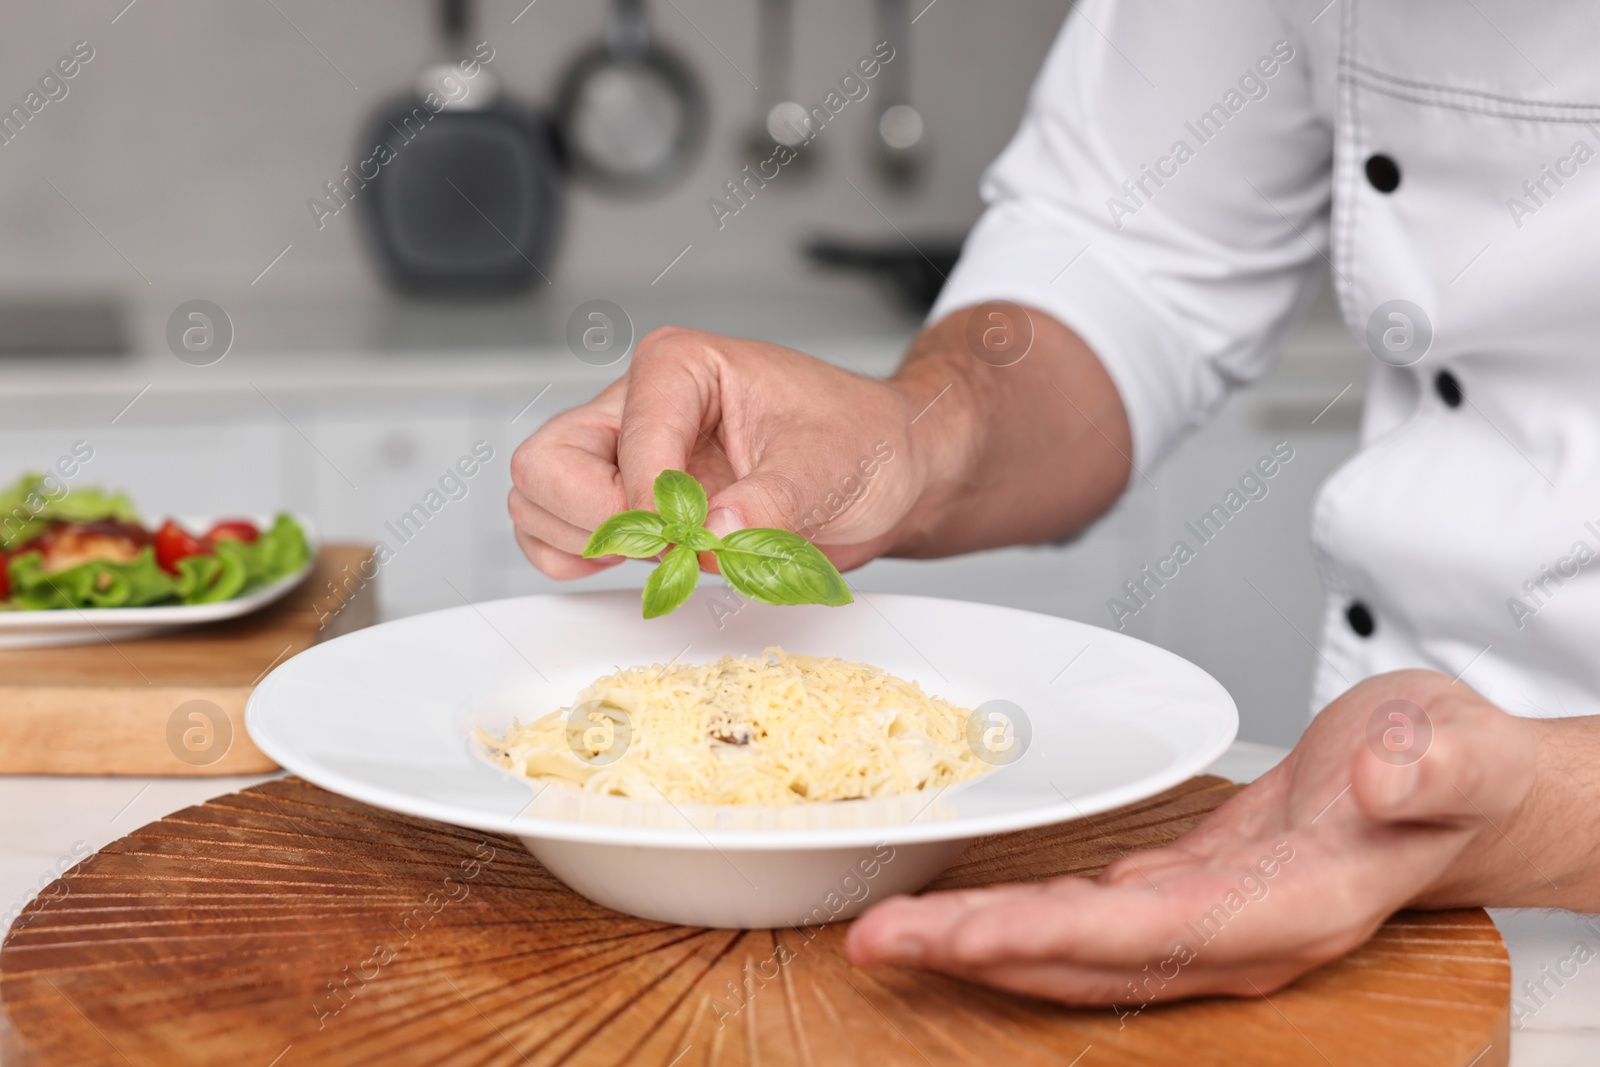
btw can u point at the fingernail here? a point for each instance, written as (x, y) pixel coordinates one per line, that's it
(723, 522)
(904, 949)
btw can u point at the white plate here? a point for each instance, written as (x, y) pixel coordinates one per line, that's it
(386, 715)
(69, 626)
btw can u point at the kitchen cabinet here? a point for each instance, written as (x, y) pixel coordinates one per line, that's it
(388, 475)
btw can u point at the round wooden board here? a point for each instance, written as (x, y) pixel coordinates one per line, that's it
(286, 925)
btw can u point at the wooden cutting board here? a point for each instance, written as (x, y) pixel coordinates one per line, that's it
(286, 926)
(171, 704)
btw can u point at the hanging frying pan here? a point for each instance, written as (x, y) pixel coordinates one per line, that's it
(459, 185)
(631, 116)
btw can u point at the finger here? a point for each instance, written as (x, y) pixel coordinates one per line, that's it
(897, 930)
(1146, 867)
(1478, 764)
(1175, 976)
(1070, 918)
(557, 564)
(1082, 942)
(569, 469)
(672, 402)
(1090, 923)
(1182, 966)
(1065, 983)
(543, 525)
(798, 482)
(772, 495)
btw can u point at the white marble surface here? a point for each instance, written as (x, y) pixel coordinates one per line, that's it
(48, 824)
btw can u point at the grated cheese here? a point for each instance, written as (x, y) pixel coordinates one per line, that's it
(772, 729)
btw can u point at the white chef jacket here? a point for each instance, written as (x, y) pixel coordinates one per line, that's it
(1184, 176)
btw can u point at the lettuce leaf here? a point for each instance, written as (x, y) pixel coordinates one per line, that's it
(95, 584)
(209, 579)
(235, 569)
(34, 501)
(279, 551)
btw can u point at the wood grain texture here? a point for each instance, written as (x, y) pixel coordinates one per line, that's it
(287, 926)
(104, 708)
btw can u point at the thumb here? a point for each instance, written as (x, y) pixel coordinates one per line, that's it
(1468, 762)
(672, 401)
(775, 494)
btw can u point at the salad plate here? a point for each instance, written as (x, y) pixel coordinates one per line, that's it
(78, 626)
(390, 716)
(79, 566)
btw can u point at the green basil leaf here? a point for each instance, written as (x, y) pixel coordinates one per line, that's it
(680, 500)
(700, 539)
(779, 567)
(635, 534)
(670, 584)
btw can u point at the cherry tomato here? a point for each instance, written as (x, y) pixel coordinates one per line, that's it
(233, 530)
(173, 543)
(5, 576)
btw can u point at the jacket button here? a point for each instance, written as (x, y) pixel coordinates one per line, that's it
(1449, 390)
(1359, 618)
(1383, 173)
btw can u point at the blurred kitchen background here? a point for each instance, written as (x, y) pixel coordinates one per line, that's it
(350, 353)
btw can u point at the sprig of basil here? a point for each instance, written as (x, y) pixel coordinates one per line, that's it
(772, 566)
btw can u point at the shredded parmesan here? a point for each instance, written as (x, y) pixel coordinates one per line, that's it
(771, 729)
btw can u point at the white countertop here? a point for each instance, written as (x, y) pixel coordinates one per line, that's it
(49, 824)
(380, 346)
(458, 346)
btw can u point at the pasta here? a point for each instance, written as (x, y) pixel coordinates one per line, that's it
(773, 729)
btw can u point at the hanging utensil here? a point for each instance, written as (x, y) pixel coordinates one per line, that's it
(780, 119)
(631, 115)
(898, 134)
(459, 186)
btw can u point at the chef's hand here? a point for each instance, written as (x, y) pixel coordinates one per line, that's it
(961, 450)
(1296, 869)
(777, 437)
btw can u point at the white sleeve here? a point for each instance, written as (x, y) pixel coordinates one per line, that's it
(1166, 197)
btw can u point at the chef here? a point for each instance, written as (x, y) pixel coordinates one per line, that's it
(1185, 179)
